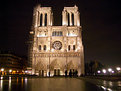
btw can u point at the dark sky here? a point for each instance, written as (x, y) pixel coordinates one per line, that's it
(100, 20)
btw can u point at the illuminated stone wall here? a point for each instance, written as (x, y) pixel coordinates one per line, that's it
(56, 49)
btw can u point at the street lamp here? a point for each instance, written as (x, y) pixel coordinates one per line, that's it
(110, 70)
(104, 71)
(98, 71)
(2, 69)
(118, 68)
(10, 70)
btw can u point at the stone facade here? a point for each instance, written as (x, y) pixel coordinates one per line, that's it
(56, 49)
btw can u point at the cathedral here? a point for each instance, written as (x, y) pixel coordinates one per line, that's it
(56, 50)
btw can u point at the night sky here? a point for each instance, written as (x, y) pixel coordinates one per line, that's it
(100, 21)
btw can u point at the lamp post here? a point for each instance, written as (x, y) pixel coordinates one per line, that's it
(104, 71)
(110, 70)
(118, 69)
(2, 70)
(10, 71)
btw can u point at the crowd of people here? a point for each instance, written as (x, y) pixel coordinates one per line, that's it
(73, 73)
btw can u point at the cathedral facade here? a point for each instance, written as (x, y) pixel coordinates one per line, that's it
(56, 50)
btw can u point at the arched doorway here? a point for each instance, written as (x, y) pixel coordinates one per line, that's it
(56, 72)
(55, 67)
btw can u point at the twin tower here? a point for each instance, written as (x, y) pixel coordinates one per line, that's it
(56, 50)
(43, 16)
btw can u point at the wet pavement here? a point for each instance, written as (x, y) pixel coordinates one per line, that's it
(58, 84)
(106, 85)
(46, 84)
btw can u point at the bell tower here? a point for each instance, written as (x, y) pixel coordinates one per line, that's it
(42, 16)
(71, 16)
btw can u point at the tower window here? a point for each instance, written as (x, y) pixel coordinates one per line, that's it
(44, 47)
(69, 48)
(39, 47)
(45, 19)
(40, 19)
(68, 19)
(72, 19)
(73, 47)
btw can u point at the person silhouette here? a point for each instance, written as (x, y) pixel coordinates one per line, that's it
(65, 73)
(70, 73)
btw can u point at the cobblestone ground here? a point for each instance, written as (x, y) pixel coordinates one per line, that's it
(47, 84)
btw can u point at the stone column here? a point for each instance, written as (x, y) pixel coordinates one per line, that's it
(51, 19)
(64, 22)
(48, 18)
(78, 19)
(43, 19)
(35, 16)
(70, 15)
(38, 18)
(75, 18)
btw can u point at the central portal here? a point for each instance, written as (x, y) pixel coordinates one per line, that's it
(56, 72)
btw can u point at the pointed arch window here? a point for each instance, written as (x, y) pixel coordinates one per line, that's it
(46, 19)
(72, 19)
(41, 19)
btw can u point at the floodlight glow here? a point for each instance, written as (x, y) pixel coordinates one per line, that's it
(10, 70)
(2, 69)
(26, 71)
(112, 71)
(109, 69)
(118, 68)
(72, 34)
(31, 32)
(104, 71)
(98, 71)
(52, 50)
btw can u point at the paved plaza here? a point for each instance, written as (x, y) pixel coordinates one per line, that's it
(58, 84)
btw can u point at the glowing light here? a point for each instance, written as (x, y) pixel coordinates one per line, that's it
(118, 68)
(52, 50)
(29, 72)
(98, 71)
(2, 69)
(72, 34)
(10, 83)
(1, 84)
(31, 32)
(64, 23)
(110, 70)
(26, 71)
(103, 87)
(78, 23)
(25, 80)
(1, 77)
(41, 35)
(10, 70)
(104, 71)
(109, 89)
